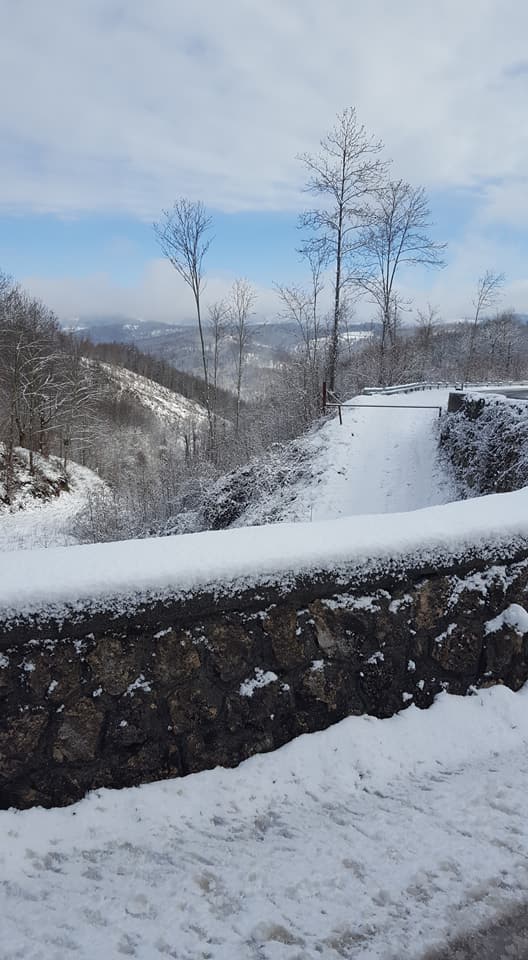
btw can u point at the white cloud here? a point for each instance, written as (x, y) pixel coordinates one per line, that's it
(160, 295)
(122, 106)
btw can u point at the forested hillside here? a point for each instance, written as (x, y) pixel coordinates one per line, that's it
(58, 399)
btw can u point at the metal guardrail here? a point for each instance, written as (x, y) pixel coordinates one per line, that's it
(331, 400)
(442, 384)
(410, 388)
(386, 406)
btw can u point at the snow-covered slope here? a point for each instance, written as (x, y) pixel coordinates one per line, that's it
(51, 522)
(370, 841)
(166, 405)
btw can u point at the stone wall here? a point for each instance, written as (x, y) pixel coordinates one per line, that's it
(182, 686)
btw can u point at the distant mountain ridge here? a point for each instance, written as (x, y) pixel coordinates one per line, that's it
(179, 344)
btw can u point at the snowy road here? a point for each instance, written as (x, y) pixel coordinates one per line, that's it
(374, 840)
(382, 459)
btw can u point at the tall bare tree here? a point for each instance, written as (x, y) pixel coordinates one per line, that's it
(396, 235)
(343, 174)
(218, 328)
(182, 234)
(487, 295)
(300, 304)
(241, 305)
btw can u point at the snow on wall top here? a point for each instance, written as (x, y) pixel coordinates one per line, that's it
(64, 581)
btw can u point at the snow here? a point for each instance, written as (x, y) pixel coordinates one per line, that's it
(45, 523)
(93, 576)
(167, 405)
(139, 684)
(261, 679)
(375, 839)
(514, 616)
(381, 460)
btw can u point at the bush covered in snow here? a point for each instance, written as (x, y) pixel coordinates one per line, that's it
(255, 493)
(486, 445)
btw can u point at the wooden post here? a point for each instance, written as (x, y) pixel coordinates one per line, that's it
(324, 396)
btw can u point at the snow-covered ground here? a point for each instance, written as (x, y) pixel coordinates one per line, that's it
(48, 523)
(379, 461)
(373, 840)
(382, 459)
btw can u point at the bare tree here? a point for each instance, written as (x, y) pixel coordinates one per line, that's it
(301, 306)
(426, 323)
(30, 360)
(241, 305)
(342, 174)
(182, 235)
(487, 294)
(79, 390)
(489, 291)
(218, 328)
(396, 235)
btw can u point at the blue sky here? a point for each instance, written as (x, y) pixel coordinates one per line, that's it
(129, 105)
(256, 244)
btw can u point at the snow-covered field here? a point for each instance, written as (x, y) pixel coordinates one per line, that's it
(375, 839)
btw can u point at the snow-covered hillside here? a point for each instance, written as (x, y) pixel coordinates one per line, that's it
(373, 840)
(35, 522)
(168, 406)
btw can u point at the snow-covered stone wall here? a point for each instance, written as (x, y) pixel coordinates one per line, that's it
(485, 440)
(175, 686)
